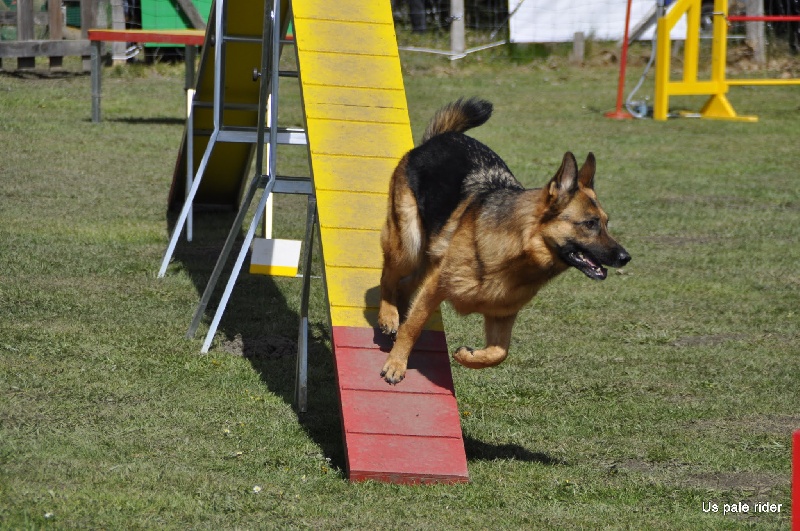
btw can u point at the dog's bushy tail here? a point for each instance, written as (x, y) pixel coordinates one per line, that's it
(458, 116)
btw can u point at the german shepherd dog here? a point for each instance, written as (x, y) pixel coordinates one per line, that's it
(461, 228)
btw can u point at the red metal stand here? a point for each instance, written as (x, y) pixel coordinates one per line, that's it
(796, 481)
(766, 18)
(619, 113)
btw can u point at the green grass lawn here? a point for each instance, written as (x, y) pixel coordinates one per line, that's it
(634, 403)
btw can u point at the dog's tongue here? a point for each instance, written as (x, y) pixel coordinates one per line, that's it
(590, 268)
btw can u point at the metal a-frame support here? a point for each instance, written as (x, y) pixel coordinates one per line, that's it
(266, 134)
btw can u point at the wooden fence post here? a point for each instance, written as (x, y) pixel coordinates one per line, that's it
(25, 31)
(55, 27)
(578, 48)
(88, 21)
(755, 32)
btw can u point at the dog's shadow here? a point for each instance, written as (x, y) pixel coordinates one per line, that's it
(476, 449)
(481, 451)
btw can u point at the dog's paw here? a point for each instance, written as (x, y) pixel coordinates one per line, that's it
(389, 321)
(393, 371)
(389, 330)
(479, 358)
(463, 355)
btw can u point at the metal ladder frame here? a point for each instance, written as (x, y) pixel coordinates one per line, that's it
(267, 127)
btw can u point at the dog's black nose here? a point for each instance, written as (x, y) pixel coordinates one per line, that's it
(623, 257)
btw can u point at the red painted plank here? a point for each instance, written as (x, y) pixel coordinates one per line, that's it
(393, 413)
(428, 372)
(796, 481)
(398, 459)
(187, 37)
(408, 433)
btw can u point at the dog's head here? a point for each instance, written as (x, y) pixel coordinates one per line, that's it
(575, 227)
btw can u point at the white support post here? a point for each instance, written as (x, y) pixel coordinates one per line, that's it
(457, 40)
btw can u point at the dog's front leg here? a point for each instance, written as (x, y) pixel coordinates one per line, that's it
(498, 339)
(388, 315)
(425, 303)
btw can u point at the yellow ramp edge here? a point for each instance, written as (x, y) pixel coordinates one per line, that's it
(358, 129)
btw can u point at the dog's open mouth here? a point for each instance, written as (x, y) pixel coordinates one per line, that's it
(587, 264)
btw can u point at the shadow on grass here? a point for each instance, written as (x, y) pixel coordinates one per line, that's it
(42, 74)
(260, 325)
(481, 451)
(156, 120)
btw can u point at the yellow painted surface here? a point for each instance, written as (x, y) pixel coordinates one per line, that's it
(272, 270)
(347, 210)
(348, 10)
(368, 71)
(762, 82)
(368, 318)
(355, 174)
(358, 129)
(368, 98)
(356, 287)
(719, 108)
(354, 248)
(336, 36)
(696, 88)
(335, 111)
(360, 139)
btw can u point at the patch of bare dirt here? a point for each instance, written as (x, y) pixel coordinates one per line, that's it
(706, 341)
(754, 483)
(269, 347)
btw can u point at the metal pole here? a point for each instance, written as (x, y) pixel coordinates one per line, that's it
(219, 67)
(457, 41)
(301, 381)
(187, 205)
(269, 63)
(618, 113)
(237, 267)
(223, 257)
(97, 75)
(190, 83)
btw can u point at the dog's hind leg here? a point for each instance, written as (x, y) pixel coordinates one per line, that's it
(498, 339)
(406, 289)
(425, 303)
(402, 243)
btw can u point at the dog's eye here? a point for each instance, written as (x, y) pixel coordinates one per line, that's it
(591, 224)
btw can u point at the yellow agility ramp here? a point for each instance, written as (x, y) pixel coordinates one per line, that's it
(356, 131)
(228, 164)
(358, 128)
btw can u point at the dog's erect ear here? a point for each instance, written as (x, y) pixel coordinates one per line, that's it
(565, 182)
(586, 173)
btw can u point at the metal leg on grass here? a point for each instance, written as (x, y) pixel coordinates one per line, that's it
(187, 205)
(189, 59)
(248, 239)
(301, 380)
(97, 75)
(223, 256)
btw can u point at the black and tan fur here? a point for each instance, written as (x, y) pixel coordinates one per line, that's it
(461, 228)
